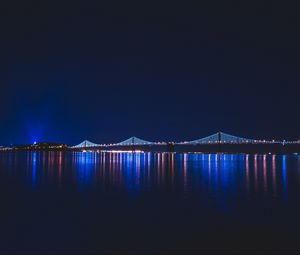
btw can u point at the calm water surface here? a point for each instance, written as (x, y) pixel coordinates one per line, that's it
(55, 202)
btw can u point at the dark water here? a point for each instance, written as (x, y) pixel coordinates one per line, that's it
(149, 203)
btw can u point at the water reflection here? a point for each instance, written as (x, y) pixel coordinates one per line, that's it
(284, 176)
(83, 170)
(185, 159)
(255, 173)
(247, 174)
(274, 175)
(60, 159)
(265, 177)
(217, 175)
(33, 165)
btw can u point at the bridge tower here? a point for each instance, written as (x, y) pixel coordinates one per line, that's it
(219, 137)
(132, 144)
(219, 142)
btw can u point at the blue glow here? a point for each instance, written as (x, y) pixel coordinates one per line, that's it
(284, 177)
(34, 167)
(84, 166)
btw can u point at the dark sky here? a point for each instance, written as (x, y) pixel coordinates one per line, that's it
(161, 71)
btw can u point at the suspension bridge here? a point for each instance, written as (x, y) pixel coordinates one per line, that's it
(220, 138)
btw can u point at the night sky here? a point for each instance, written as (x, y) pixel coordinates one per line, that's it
(166, 71)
